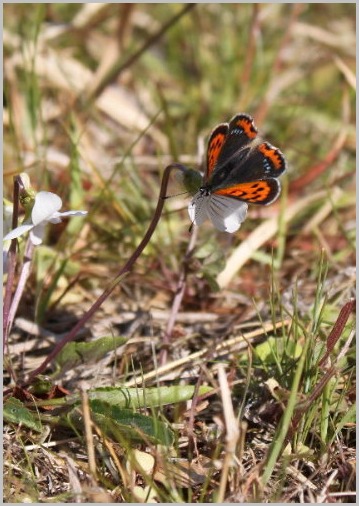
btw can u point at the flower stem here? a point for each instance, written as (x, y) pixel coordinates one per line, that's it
(25, 272)
(124, 270)
(11, 262)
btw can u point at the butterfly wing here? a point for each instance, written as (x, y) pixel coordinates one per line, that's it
(241, 134)
(244, 159)
(234, 151)
(264, 161)
(262, 192)
(215, 144)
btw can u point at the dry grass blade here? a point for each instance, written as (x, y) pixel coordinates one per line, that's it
(259, 237)
(232, 431)
(236, 343)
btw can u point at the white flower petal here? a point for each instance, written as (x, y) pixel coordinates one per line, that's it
(37, 234)
(22, 229)
(55, 218)
(67, 213)
(198, 209)
(226, 213)
(46, 204)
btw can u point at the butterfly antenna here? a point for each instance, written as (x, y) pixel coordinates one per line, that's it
(175, 195)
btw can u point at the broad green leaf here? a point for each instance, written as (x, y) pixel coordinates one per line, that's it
(148, 397)
(269, 349)
(15, 412)
(124, 425)
(74, 353)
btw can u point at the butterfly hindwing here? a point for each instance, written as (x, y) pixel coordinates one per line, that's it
(262, 161)
(256, 192)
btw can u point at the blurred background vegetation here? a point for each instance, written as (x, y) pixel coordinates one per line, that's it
(100, 98)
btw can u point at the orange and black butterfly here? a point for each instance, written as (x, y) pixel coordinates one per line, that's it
(241, 168)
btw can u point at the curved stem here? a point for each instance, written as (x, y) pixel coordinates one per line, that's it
(124, 270)
(25, 272)
(11, 263)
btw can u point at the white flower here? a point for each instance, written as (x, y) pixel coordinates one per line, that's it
(225, 213)
(46, 209)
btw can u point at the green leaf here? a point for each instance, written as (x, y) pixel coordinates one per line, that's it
(124, 425)
(148, 397)
(211, 280)
(269, 350)
(348, 418)
(15, 412)
(74, 354)
(41, 385)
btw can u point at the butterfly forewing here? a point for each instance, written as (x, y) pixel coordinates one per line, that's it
(262, 161)
(241, 133)
(274, 161)
(215, 144)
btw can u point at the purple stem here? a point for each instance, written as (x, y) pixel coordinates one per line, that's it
(124, 270)
(25, 272)
(11, 262)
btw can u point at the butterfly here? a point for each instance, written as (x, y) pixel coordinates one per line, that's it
(241, 168)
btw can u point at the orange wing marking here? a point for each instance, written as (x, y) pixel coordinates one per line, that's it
(274, 155)
(248, 127)
(214, 150)
(257, 191)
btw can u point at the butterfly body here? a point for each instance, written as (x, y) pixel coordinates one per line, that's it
(240, 168)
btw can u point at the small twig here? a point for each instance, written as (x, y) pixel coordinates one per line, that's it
(120, 66)
(123, 271)
(192, 442)
(322, 497)
(88, 432)
(109, 446)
